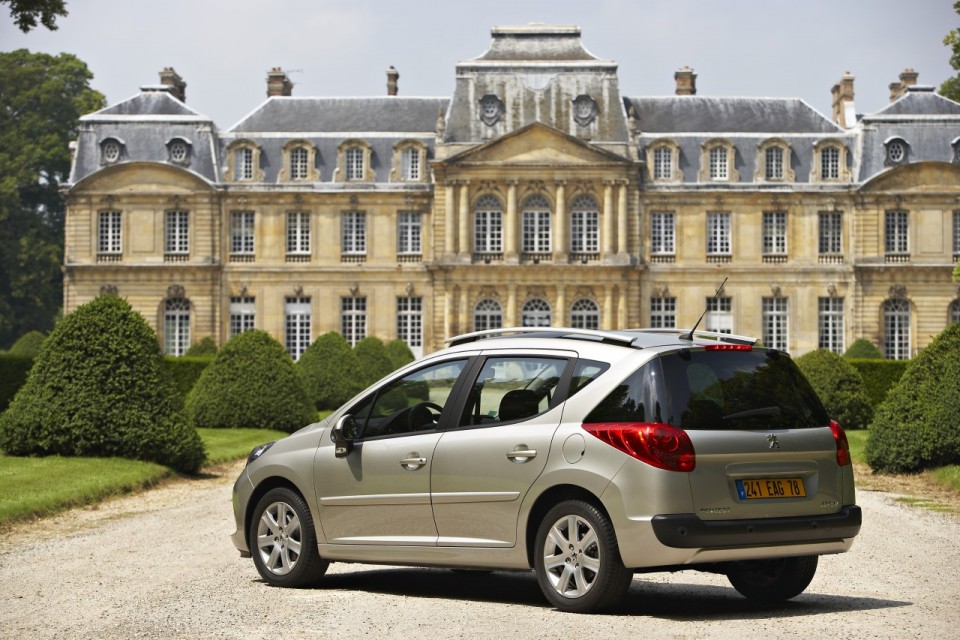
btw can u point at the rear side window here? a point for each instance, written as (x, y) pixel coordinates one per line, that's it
(717, 390)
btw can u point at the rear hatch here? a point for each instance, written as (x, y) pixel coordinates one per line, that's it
(763, 442)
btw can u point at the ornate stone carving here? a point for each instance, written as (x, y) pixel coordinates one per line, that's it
(898, 291)
(488, 292)
(536, 292)
(776, 290)
(584, 110)
(176, 291)
(832, 290)
(108, 290)
(490, 109)
(408, 289)
(662, 290)
(354, 288)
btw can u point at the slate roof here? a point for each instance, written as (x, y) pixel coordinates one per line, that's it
(535, 43)
(918, 101)
(151, 101)
(388, 114)
(701, 114)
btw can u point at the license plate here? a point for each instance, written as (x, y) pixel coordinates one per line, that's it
(771, 488)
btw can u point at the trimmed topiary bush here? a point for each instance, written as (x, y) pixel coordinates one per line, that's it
(879, 376)
(330, 371)
(399, 353)
(28, 345)
(918, 426)
(206, 348)
(863, 348)
(13, 373)
(251, 383)
(183, 373)
(839, 386)
(97, 388)
(373, 358)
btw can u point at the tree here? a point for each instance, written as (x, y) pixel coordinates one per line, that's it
(41, 100)
(25, 13)
(330, 371)
(374, 361)
(839, 386)
(97, 388)
(28, 344)
(951, 87)
(399, 353)
(862, 348)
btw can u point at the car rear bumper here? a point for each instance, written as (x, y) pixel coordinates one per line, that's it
(687, 531)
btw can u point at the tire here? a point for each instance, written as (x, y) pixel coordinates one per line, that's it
(773, 580)
(283, 542)
(577, 559)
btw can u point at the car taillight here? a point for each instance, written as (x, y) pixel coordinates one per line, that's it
(659, 445)
(728, 347)
(843, 447)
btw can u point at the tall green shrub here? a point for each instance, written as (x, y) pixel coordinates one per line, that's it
(374, 361)
(918, 425)
(13, 373)
(879, 376)
(862, 348)
(399, 353)
(28, 345)
(183, 373)
(839, 386)
(330, 371)
(251, 383)
(205, 348)
(97, 389)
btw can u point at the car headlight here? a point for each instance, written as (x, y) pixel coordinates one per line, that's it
(258, 451)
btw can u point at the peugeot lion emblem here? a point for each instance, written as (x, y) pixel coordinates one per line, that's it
(774, 443)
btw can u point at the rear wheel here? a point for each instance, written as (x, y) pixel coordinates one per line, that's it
(772, 580)
(283, 541)
(577, 560)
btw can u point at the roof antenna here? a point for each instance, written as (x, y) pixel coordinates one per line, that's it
(689, 336)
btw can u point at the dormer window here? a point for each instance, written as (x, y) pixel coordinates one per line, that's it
(896, 151)
(830, 162)
(299, 162)
(773, 162)
(663, 161)
(178, 151)
(717, 163)
(243, 164)
(110, 150)
(354, 162)
(243, 158)
(409, 162)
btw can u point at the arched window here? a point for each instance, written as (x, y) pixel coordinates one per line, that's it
(176, 326)
(536, 225)
(584, 225)
(488, 225)
(353, 160)
(299, 163)
(585, 314)
(896, 329)
(535, 313)
(488, 314)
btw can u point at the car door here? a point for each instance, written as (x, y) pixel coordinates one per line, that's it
(379, 493)
(484, 466)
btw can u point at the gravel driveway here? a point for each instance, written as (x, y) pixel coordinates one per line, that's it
(160, 565)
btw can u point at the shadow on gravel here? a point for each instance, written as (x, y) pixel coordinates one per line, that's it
(669, 601)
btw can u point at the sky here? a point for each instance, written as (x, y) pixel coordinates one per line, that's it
(224, 48)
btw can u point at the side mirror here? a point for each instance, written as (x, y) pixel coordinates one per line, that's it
(343, 435)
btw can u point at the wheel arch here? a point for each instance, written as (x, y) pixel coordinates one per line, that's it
(265, 486)
(546, 501)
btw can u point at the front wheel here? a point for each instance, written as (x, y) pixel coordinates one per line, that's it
(283, 540)
(577, 559)
(773, 580)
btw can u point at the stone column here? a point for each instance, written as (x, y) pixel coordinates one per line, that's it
(450, 222)
(464, 220)
(560, 316)
(447, 314)
(511, 312)
(606, 322)
(464, 319)
(608, 222)
(622, 321)
(622, 217)
(560, 233)
(510, 224)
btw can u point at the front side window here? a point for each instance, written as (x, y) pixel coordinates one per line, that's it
(176, 232)
(774, 232)
(512, 388)
(353, 319)
(535, 313)
(662, 233)
(663, 313)
(108, 232)
(719, 317)
(536, 225)
(585, 314)
(298, 233)
(298, 318)
(354, 236)
(830, 232)
(719, 168)
(410, 159)
(241, 232)
(243, 314)
(353, 160)
(488, 226)
(584, 225)
(662, 163)
(775, 323)
(409, 232)
(299, 163)
(896, 329)
(488, 314)
(718, 233)
(410, 321)
(830, 324)
(176, 326)
(896, 232)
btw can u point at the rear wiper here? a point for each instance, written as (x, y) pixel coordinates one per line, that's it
(752, 413)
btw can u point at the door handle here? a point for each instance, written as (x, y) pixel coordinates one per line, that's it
(413, 462)
(520, 456)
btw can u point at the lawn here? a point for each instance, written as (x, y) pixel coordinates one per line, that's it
(41, 486)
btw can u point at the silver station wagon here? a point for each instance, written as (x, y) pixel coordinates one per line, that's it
(584, 455)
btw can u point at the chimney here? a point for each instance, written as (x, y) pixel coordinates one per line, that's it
(844, 113)
(686, 82)
(908, 78)
(392, 77)
(278, 84)
(178, 88)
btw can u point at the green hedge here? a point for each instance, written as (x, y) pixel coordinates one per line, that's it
(184, 372)
(839, 386)
(13, 373)
(879, 376)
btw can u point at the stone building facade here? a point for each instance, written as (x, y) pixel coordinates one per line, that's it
(537, 194)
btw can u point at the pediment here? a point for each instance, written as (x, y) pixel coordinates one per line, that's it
(916, 178)
(537, 145)
(142, 177)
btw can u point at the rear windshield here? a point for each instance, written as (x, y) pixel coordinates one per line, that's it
(693, 389)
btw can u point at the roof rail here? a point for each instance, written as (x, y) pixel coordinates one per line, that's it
(708, 335)
(558, 332)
